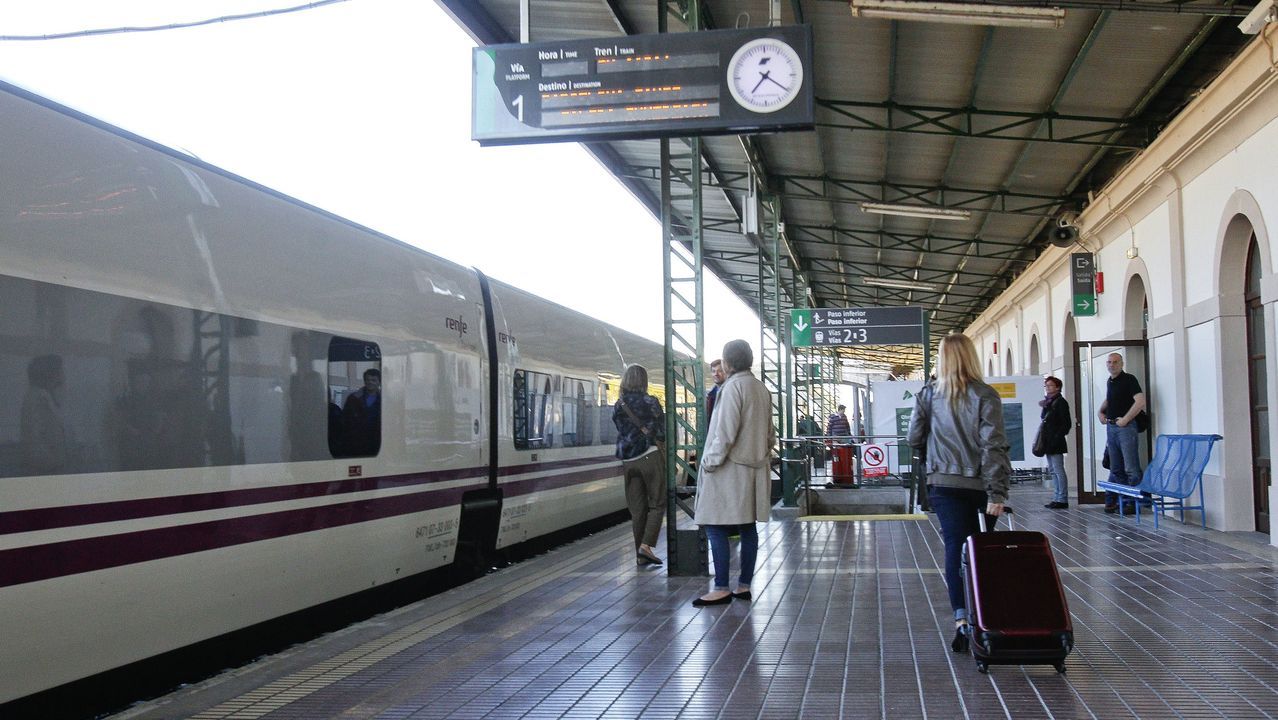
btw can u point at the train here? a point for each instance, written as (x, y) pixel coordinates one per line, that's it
(228, 406)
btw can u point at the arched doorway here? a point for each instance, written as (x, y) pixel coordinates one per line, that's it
(1243, 475)
(1257, 387)
(1008, 369)
(990, 372)
(1033, 355)
(1136, 311)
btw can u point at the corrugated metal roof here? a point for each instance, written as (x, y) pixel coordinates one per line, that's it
(923, 114)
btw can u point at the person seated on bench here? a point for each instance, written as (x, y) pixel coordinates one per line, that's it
(1123, 402)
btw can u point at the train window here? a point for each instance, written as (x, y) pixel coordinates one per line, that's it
(579, 412)
(533, 422)
(354, 398)
(608, 393)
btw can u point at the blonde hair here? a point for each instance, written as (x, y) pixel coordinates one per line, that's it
(956, 367)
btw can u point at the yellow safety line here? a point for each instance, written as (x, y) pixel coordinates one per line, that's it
(856, 518)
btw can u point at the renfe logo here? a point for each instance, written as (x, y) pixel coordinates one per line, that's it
(457, 325)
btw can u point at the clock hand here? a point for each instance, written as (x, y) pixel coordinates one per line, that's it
(762, 76)
(774, 82)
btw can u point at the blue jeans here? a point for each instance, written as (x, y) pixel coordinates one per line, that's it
(1123, 444)
(956, 509)
(718, 536)
(1060, 483)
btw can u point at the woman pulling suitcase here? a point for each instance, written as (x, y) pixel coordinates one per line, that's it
(958, 423)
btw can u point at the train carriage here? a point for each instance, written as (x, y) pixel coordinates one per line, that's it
(191, 447)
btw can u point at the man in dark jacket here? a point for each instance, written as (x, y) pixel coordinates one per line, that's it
(716, 370)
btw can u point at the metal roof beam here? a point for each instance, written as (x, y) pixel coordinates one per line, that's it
(812, 187)
(973, 122)
(619, 17)
(819, 188)
(907, 241)
(927, 275)
(1175, 7)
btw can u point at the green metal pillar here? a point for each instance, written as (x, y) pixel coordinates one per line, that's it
(799, 381)
(770, 327)
(681, 234)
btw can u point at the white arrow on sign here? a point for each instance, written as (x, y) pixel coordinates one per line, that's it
(801, 325)
(1084, 304)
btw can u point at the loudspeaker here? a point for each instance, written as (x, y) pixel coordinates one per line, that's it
(1064, 235)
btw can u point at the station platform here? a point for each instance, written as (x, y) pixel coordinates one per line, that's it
(849, 620)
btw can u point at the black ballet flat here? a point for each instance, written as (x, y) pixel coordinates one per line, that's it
(959, 644)
(705, 603)
(743, 595)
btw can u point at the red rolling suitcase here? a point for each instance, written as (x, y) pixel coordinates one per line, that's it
(1016, 609)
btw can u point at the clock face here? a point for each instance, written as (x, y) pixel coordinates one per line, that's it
(764, 75)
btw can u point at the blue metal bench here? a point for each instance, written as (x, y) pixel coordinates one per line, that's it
(1172, 475)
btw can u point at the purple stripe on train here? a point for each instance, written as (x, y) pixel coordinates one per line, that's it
(16, 521)
(70, 557)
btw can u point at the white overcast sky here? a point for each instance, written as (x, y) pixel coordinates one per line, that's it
(363, 108)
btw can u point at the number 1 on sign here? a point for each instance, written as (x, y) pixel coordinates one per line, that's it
(518, 102)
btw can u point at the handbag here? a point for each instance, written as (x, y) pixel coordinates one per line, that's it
(1142, 422)
(1105, 459)
(1040, 442)
(660, 444)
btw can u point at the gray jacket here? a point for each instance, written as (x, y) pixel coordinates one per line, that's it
(968, 446)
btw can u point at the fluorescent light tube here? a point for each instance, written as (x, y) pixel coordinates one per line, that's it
(930, 212)
(960, 13)
(899, 284)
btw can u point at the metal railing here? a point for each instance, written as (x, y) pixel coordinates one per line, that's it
(849, 462)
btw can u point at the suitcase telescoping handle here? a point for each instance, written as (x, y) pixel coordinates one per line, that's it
(1007, 510)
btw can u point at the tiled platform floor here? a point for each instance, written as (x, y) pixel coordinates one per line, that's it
(849, 620)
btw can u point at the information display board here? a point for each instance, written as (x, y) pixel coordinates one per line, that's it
(820, 327)
(893, 403)
(644, 86)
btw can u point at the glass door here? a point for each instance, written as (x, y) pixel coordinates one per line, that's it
(1091, 380)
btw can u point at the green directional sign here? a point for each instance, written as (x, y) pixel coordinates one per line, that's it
(801, 328)
(1082, 271)
(825, 327)
(1084, 305)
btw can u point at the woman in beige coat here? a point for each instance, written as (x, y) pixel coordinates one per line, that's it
(732, 488)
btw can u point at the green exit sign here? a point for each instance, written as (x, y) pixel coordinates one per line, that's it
(1084, 305)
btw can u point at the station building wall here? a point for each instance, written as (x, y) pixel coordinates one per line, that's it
(1171, 235)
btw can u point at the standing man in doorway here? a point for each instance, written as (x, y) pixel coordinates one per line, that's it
(1124, 400)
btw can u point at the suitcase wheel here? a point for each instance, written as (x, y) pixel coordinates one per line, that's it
(982, 666)
(1060, 668)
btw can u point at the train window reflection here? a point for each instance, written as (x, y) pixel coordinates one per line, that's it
(354, 398)
(580, 412)
(533, 425)
(609, 389)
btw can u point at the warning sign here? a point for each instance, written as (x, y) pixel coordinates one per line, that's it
(874, 460)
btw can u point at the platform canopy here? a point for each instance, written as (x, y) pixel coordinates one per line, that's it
(1007, 127)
